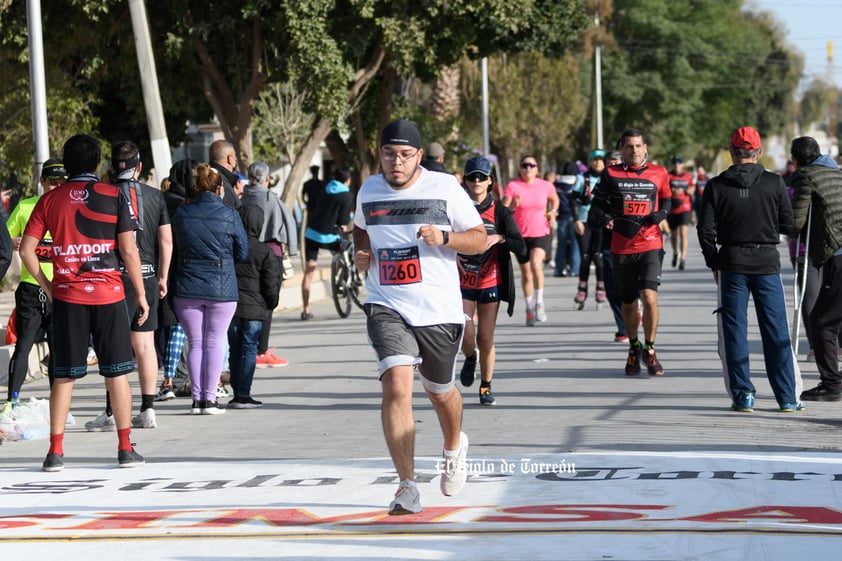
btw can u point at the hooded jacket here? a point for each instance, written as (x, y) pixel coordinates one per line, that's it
(278, 222)
(821, 183)
(259, 276)
(745, 211)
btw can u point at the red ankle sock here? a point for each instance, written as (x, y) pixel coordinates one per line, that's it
(124, 439)
(57, 444)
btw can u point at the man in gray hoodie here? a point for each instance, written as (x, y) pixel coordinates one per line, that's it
(817, 179)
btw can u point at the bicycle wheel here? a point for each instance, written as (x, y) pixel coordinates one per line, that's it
(339, 285)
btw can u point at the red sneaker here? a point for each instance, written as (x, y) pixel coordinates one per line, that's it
(269, 360)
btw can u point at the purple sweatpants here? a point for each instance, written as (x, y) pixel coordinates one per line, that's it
(206, 324)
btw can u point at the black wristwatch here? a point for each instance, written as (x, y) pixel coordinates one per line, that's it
(446, 235)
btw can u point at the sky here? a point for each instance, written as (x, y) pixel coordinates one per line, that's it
(810, 25)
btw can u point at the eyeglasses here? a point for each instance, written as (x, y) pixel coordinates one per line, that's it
(392, 156)
(527, 165)
(477, 177)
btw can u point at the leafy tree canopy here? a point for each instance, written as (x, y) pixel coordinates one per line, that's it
(688, 72)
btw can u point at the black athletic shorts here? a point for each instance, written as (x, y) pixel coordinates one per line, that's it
(73, 325)
(543, 242)
(150, 286)
(311, 249)
(637, 271)
(680, 219)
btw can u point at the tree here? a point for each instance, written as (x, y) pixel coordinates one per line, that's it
(538, 115)
(815, 102)
(378, 40)
(216, 57)
(280, 122)
(689, 85)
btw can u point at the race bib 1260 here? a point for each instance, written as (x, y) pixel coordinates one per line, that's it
(399, 266)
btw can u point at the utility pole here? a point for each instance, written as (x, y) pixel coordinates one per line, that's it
(161, 154)
(486, 143)
(37, 88)
(597, 106)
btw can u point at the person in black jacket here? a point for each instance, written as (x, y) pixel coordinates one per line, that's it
(259, 282)
(745, 210)
(817, 185)
(171, 335)
(487, 278)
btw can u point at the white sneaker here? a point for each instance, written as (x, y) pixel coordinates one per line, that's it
(145, 420)
(540, 314)
(103, 423)
(212, 408)
(166, 393)
(407, 499)
(454, 469)
(222, 391)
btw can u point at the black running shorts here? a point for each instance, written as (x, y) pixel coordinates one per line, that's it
(531, 243)
(73, 325)
(150, 286)
(637, 271)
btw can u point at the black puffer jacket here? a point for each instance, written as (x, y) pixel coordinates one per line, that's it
(181, 176)
(259, 276)
(821, 183)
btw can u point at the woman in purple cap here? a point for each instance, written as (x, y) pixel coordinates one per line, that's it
(486, 278)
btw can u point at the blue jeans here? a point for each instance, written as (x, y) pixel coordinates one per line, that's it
(566, 243)
(770, 304)
(243, 336)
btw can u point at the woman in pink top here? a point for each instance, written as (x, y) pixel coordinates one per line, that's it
(535, 205)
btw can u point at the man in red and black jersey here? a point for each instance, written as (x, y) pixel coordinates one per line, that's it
(634, 198)
(89, 222)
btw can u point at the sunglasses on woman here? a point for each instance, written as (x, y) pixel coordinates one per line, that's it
(477, 177)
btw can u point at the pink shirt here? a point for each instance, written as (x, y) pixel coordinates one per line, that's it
(531, 213)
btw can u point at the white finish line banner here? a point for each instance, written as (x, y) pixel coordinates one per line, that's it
(634, 493)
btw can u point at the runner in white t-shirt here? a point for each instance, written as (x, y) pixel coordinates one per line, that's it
(409, 225)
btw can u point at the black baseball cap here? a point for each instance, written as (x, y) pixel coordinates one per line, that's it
(401, 132)
(53, 169)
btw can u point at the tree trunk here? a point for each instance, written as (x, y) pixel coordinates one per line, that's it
(322, 127)
(292, 187)
(234, 113)
(445, 103)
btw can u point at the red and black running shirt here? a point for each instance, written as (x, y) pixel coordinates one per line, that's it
(84, 217)
(680, 183)
(630, 196)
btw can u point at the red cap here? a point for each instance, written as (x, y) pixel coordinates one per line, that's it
(746, 138)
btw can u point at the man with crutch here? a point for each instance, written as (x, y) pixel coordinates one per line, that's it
(818, 180)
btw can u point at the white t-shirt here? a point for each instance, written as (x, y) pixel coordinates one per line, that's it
(418, 281)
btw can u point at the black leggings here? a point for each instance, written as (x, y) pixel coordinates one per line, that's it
(590, 248)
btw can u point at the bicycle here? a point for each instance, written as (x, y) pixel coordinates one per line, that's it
(346, 281)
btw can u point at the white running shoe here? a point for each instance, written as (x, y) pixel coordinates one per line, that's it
(454, 469)
(145, 420)
(212, 408)
(103, 423)
(166, 393)
(222, 391)
(407, 499)
(540, 314)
